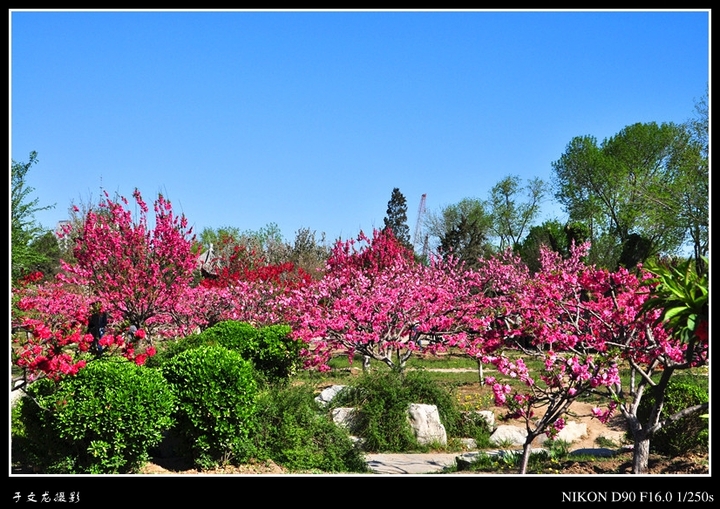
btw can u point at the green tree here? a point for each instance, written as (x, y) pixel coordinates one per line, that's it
(462, 230)
(309, 253)
(510, 219)
(396, 218)
(25, 255)
(692, 200)
(269, 241)
(48, 247)
(219, 236)
(550, 234)
(633, 190)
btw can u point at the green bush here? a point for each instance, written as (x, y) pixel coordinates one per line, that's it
(687, 434)
(295, 433)
(103, 420)
(382, 399)
(216, 394)
(169, 348)
(271, 349)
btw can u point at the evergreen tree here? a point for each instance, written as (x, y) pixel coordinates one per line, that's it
(396, 218)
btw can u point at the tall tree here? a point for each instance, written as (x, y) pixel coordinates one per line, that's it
(25, 255)
(309, 253)
(396, 218)
(629, 190)
(462, 230)
(692, 200)
(136, 271)
(512, 219)
(550, 235)
(48, 247)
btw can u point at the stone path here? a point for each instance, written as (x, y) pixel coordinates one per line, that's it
(409, 463)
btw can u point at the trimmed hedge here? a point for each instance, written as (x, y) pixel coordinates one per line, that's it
(271, 349)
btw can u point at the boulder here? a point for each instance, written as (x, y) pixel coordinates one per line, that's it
(425, 421)
(508, 435)
(327, 395)
(345, 417)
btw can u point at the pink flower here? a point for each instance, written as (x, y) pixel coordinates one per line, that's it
(604, 415)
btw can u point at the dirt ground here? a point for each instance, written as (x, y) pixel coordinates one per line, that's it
(621, 463)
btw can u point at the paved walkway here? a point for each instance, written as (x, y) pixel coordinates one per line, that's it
(410, 463)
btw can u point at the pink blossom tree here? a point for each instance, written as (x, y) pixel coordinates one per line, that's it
(50, 333)
(672, 303)
(583, 322)
(548, 309)
(136, 271)
(376, 300)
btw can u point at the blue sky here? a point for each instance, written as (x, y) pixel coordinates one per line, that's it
(309, 119)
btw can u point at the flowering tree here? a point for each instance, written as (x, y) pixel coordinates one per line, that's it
(136, 271)
(583, 322)
(552, 310)
(242, 287)
(675, 299)
(377, 301)
(50, 333)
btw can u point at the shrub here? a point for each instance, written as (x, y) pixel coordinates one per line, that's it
(295, 433)
(687, 434)
(271, 349)
(170, 348)
(216, 394)
(382, 399)
(102, 420)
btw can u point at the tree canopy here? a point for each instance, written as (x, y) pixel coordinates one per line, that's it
(463, 231)
(28, 251)
(638, 191)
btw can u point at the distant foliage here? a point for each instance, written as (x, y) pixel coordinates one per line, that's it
(27, 253)
(396, 218)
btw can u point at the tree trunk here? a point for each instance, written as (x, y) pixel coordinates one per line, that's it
(525, 457)
(641, 456)
(366, 363)
(480, 371)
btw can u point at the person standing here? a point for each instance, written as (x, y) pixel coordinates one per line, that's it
(96, 326)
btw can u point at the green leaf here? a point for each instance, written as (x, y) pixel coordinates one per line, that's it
(672, 312)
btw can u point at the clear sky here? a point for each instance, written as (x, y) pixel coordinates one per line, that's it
(309, 119)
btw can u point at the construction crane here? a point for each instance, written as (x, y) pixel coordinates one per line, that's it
(418, 226)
